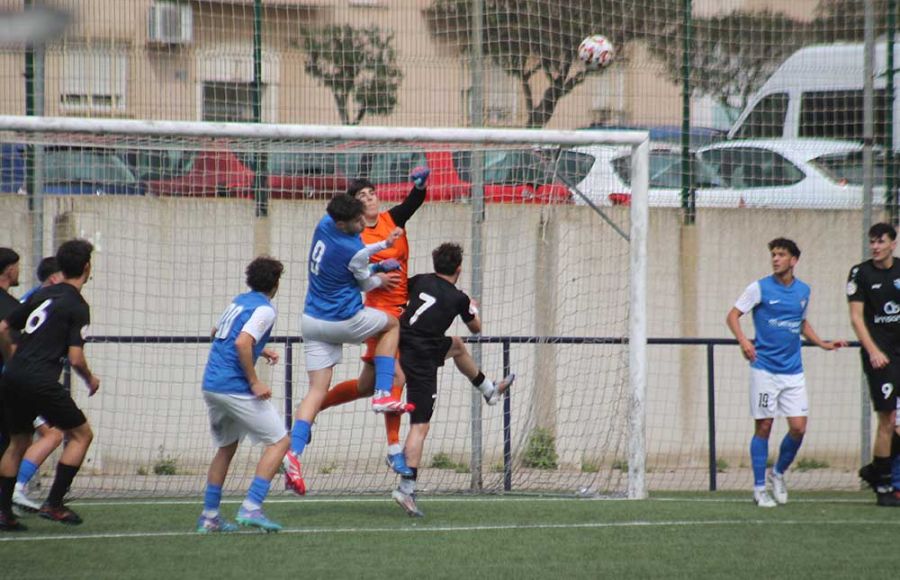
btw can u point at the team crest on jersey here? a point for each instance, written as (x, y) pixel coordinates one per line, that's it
(851, 288)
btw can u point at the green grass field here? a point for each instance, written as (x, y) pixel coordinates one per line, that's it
(720, 535)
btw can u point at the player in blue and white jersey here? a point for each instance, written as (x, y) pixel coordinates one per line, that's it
(777, 385)
(334, 315)
(238, 401)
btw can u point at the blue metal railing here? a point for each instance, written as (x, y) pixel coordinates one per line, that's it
(506, 342)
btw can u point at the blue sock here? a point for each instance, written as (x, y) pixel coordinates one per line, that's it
(27, 469)
(384, 373)
(759, 453)
(212, 498)
(787, 453)
(259, 489)
(895, 472)
(299, 436)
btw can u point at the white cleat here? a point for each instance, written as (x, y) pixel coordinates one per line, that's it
(408, 502)
(499, 388)
(779, 489)
(23, 502)
(763, 499)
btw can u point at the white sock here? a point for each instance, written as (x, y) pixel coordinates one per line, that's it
(486, 387)
(20, 487)
(249, 505)
(394, 449)
(760, 489)
(210, 514)
(408, 486)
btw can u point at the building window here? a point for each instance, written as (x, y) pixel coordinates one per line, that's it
(94, 79)
(229, 102)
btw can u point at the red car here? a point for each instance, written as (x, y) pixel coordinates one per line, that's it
(176, 172)
(510, 175)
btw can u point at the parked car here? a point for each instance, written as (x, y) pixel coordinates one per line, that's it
(793, 173)
(69, 170)
(509, 175)
(663, 134)
(182, 172)
(602, 175)
(304, 174)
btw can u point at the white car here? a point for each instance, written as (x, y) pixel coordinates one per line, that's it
(795, 173)
(602, 176)
(792, 173)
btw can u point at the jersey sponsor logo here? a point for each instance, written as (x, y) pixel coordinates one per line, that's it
(892, 314)
(803, 303)
(791, 325)
(774, 301)
(876, 286)
(851, 288)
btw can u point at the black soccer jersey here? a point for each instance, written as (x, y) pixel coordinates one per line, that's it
(879, 291)
(52, 320)
(7, 305)
(433, 304)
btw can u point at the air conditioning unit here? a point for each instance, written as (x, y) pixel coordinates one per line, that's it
(170, 23)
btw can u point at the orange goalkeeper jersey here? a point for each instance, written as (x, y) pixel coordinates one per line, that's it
(390, 301)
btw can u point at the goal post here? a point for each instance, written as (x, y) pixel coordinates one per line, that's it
(171, 250)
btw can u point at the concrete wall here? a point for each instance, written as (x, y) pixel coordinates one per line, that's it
(167, 267)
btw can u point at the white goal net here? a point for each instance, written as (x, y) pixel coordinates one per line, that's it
(177, 210)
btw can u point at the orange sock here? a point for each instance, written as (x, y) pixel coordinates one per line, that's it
(392, 420)
(341, 393)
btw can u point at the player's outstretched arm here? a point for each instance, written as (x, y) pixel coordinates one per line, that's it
(809, 333)
(733, 320)
(79, 363)
(878, 359)
(474, 325)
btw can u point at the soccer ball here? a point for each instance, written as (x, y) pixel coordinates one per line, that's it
(596, 51)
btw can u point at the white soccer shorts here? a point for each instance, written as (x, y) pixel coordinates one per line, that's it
(324, 340)
(774, 395)
(233, 417)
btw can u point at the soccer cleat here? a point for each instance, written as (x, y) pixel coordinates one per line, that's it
(256, 519)
(500, 388)
(215, 525)
(763, 499)
(397, 462)
(779, 489)
(293, 473)
(891, 499)
(408, 502)
(9, 523)
(867, 474)
(389, 404)
(60, 514)
(22, 501)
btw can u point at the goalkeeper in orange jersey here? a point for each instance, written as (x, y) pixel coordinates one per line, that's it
(379, 224)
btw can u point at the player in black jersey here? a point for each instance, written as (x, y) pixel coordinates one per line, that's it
(873, 291)
(53, 324)
(434, 302)
(9, 277)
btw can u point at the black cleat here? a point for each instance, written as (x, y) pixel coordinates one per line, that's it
(60, 514)
(9, 523)
(891, 499)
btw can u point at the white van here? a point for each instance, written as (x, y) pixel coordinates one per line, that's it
(818, 93)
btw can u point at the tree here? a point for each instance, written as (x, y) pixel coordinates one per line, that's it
(358, 65)
(537, 40)
(844, 20)
(732, 55)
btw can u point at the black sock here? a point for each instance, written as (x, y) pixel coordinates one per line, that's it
(415, 474)
(7, 486)
(61, 483)
(478, 379)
